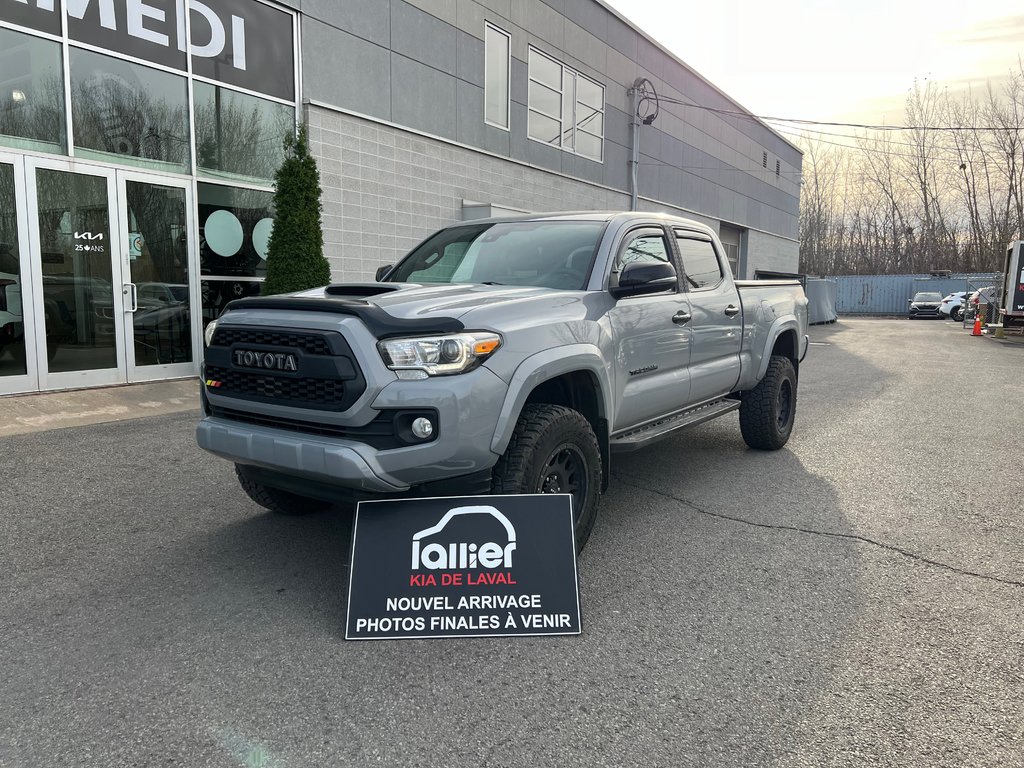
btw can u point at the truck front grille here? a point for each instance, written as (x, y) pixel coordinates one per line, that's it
(321, 373)
(324, 394)
(313, 344)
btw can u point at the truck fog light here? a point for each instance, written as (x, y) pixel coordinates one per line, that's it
(422, 427)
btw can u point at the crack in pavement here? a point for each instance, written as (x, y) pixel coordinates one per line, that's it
(827, 534)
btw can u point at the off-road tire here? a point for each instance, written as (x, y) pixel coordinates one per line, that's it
(542, 433)
(276, 500)
(762, 422)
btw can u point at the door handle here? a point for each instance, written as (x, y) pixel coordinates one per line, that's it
(732, 310)
(682, 317)
(132, 292)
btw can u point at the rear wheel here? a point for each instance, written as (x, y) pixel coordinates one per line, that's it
(957, 313)
(768, 410)
(276, 500)
(553, 450)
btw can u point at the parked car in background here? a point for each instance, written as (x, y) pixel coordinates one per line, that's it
(982, 296)
(924, 305)
(952, 306)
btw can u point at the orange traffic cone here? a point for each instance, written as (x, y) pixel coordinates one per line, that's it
(976, 331)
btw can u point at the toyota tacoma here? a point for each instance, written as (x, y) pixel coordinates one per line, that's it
(513, 355)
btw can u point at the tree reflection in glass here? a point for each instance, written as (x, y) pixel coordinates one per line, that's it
(126, 113)
(32, 97)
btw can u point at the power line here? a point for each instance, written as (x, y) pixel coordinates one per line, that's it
(865, 126)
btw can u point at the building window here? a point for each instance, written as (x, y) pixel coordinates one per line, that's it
(31, 93)
(566, 109)
(130, 114)
(234, 230)
(239, 136)
(497, 64)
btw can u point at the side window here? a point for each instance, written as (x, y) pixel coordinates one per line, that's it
(700, 263)
(646, 247)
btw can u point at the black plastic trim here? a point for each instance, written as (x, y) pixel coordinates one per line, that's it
(381, 324)
(474, 484)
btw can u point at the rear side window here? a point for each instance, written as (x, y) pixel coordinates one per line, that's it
(700, 263)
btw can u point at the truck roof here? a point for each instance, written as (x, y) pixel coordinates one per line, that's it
(619, 216)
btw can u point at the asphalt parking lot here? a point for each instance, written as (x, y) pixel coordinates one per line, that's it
(855, 599)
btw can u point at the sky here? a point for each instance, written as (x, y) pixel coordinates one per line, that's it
(836, 60)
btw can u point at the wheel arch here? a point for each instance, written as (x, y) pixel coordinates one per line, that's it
(574, 377)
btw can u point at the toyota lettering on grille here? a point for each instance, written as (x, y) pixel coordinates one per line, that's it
(269, 361)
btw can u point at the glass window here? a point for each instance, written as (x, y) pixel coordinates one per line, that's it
(159, 268)
(650, 248)
(551, 254)
(545, 99)
(589, 120)
(31, 93)
(128, 114)
(545, 70)
(497, 44)
(566, 109)
(12, 323)
(78, 294)
(234, 229)
(239, 136)
(700, 263)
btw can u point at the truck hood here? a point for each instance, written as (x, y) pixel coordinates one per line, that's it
(415, 301)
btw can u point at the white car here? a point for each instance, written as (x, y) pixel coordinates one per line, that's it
(10, 310)
(952, 306)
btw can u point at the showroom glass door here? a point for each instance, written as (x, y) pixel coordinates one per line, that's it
(17, 348)
(160, 294)
(112, 272)
(76, 274)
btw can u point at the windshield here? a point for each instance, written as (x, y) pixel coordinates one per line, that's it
(546, 254)
(927, 297)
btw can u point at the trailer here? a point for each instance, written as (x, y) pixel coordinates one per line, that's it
(1012, 300)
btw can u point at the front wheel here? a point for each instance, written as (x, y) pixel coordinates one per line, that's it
(768, 410)
(276, 500)
(553, 450)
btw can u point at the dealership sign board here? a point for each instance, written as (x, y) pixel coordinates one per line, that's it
(244, 43)
(465, 566)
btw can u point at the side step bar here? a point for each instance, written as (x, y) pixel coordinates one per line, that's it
(656, 430)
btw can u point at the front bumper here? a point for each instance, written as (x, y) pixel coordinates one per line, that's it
(467, 407)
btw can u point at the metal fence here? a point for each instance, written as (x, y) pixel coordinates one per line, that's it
(888, 294)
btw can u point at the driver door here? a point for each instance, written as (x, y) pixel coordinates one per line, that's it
(652, 339)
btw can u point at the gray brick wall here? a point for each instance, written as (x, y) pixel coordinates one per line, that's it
(385, 189)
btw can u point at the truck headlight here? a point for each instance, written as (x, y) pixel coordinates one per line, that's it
(211, 328)
(419, 358)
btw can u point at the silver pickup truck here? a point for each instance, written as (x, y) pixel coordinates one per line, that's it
(512, 355)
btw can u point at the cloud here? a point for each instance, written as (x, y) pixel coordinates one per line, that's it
(1007, 29)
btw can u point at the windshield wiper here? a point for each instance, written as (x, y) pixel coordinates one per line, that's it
(491, 282)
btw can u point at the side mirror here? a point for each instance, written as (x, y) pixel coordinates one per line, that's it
(642, 277)
(382, 271)
(910, 301)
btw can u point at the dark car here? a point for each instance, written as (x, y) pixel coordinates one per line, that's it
(925, 305)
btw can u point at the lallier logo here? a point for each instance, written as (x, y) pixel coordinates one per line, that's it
(440, 562)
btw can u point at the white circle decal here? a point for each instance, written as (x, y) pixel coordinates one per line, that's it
(261, 236)
(223, 233)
